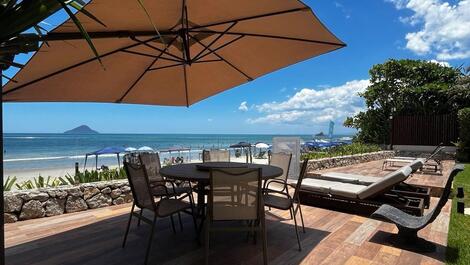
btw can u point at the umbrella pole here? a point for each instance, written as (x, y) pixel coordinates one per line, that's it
(2, 221)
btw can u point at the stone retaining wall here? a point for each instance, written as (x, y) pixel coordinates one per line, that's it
(339, 161)
(29, 204)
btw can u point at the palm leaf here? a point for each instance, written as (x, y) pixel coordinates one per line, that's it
(81, 29)
(141, 3)
(80, 7)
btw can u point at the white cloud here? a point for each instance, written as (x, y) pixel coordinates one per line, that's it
(443, 28)
(315, 105)
(441, 63)
(243, 106)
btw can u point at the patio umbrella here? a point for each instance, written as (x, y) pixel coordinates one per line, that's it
(130, 149)
(262, 146)
(204, 47)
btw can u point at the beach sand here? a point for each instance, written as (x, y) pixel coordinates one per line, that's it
(29, 174)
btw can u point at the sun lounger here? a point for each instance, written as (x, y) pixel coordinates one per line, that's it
(429, 161)
(363, 198)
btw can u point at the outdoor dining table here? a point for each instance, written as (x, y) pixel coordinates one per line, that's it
(199, 172)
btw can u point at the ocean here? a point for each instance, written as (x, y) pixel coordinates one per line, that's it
(51, 151)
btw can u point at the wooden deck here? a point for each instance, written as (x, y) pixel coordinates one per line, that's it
(94, 237)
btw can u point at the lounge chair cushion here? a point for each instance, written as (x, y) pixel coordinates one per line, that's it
(349, 178)
(318, 185)
(347, 190)
(386, 183)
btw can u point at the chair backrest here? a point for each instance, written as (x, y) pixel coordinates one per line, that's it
(215, 156)
(431, 216)
(151, 161)
(139, 182)
(303, 171)
(235, 194)
(386, 183)
(435, 152)
(281, 160)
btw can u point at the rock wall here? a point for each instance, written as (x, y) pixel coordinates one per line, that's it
(339, 161)
(29, 204)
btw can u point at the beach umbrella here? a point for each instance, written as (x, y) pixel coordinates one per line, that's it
(145, 149)
(130, 149)
(262, 146)
(204, 47)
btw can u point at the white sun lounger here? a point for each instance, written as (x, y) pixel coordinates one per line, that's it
(361, 179)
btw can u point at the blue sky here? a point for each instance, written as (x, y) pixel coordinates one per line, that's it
(300, 99)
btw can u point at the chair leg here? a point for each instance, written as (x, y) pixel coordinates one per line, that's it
(140, 216)
(290, 211)
(149, 244)
(181, 222)
(301, 217)
(297, 231)
(265, 244)
(206, 241)
(128, 226)
(173, 224)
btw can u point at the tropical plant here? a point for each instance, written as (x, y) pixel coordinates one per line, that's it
(9, 182)
(411, 87)
(17, 16)
(39, 182)
(93, 176)
(342, 150)
(464, 135)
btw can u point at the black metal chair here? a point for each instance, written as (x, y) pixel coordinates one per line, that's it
(283, 201)
(409, 225)
(145, 199)
(235, 195)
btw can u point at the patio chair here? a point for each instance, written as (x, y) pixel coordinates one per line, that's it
(235, 195)
(162, 187)
(283, 201)
(215, 156)
(408, 225)
(281, 160)
(144, 199)
(360, 198)
(430, 161)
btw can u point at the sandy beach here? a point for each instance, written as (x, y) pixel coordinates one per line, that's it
(29, 174)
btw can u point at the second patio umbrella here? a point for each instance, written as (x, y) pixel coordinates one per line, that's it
(206, 47)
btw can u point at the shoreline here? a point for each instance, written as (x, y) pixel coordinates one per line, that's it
(30, 174)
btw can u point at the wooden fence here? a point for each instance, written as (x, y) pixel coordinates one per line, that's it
(424, 130)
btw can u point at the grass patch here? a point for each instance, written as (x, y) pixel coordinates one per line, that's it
(458, 251)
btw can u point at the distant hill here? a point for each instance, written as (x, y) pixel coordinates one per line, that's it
(83, 129)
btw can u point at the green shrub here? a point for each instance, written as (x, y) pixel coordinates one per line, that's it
(351, 149)
(39, 182)
(9, 182)
(464, 135)
(94, 176)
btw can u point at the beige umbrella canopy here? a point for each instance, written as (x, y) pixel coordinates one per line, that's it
(207, 46)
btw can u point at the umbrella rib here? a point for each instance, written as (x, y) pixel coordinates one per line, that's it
(142, 75)
(74, 66)
(214, 41)
(223, 59)
(220, 47)
(272, 37)
(158, 49)
(163, 67)
(253, 17)
(150, 55)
